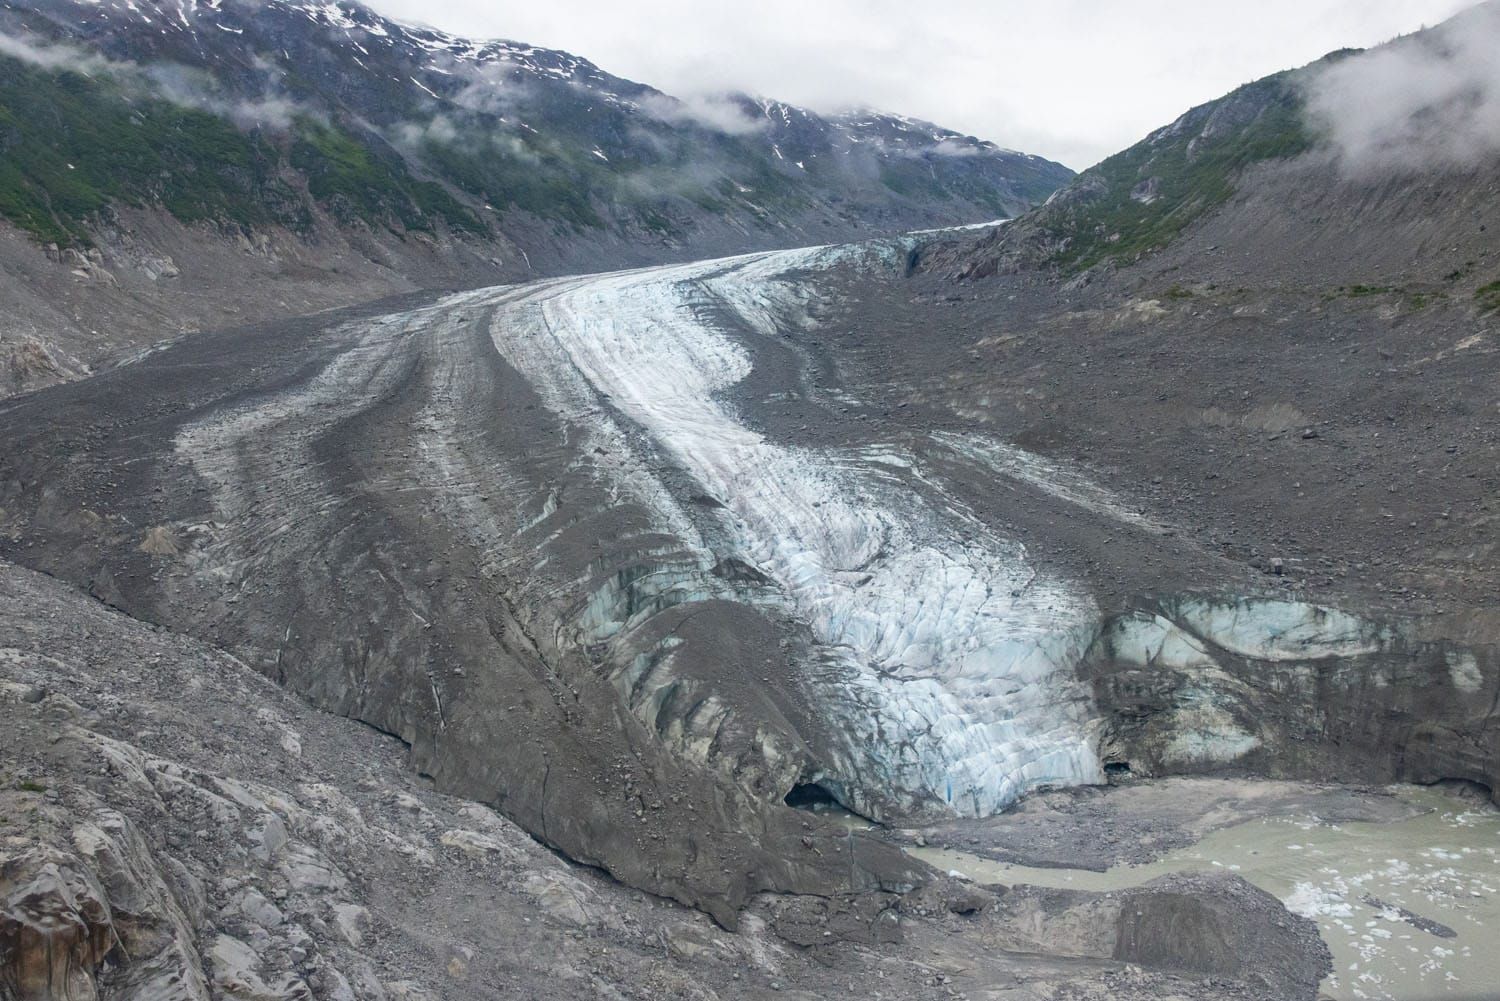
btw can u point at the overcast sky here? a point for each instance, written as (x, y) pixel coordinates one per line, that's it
(1074, 80)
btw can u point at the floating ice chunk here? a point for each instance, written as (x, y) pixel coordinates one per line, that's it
(1313, 901)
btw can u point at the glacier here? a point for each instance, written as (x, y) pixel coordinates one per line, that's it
(947, 660)
(950, 657)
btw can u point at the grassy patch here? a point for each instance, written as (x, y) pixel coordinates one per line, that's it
(548, 183)
(29, 786)
(1488, 297)
(1411, 298)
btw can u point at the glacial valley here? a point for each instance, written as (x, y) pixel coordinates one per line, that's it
(485, 528)
(593, 509)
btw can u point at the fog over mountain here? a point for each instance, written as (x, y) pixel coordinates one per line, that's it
(1431, 101)
(1074, 80)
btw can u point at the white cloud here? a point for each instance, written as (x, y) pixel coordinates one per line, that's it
(1429, 101)
(57, 57)
(710, 111)
(169, 81)
(952, 147)
(489, 88)
(437, 129)
(1071, 79)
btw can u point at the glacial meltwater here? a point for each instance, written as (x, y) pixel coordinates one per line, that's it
(1410, 908)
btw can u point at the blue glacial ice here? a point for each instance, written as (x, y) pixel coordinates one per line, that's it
(950, 657)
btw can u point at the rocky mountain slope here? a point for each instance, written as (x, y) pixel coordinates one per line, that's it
(164, 152)
(1301, 360)
(1302, 178)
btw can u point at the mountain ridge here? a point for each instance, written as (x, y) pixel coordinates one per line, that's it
(1219, 181)
(334, 63)
(349, 156)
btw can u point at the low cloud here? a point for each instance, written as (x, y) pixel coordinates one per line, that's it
(980, 67)
(1430, 100)
(690, 180)
(717, 113)
(274, 114)
(469, 136)
(49, 56)
(271, 110)
(181, 85)
(488, 87)
(196, 89)
(955, 147)
(438, 129)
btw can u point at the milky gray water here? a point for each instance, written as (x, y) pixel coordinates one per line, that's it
(1367, 885)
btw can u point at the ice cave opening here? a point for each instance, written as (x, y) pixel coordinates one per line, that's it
(812, 797)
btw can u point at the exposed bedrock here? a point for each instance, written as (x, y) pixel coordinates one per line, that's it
(532, 531)
(91, 912)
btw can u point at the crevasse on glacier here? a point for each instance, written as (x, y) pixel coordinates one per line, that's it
(955, 681)
(949, 671)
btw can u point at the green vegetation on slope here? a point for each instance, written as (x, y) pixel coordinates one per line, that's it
(353, 183)
(1488, 297)
(375, 144)
(71, 144)
(546, 183)
(1141, 199)
(1410, 297)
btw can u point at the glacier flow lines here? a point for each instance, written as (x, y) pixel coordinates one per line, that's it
(955, 658)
